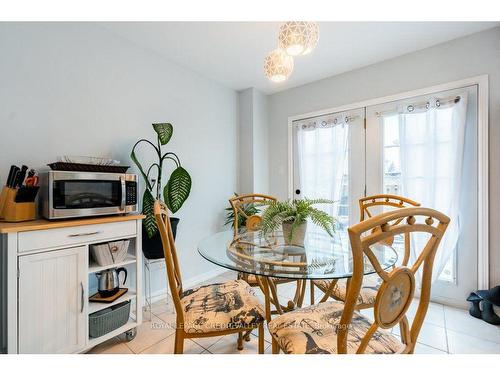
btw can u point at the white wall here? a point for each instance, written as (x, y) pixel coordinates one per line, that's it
(261, 145)
(77, 89)
(462, 58)
(253, 170)
(245, 142)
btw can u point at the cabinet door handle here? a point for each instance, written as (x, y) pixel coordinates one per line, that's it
(83, 296)
(84, 234)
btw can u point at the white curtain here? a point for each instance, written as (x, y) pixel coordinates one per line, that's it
(322, 146)
(432, 150)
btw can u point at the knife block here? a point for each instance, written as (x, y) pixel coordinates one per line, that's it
(13, 211)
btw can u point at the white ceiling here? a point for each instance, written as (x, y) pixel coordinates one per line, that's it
(233, 53)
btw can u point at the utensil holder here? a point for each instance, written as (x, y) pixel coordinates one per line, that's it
(13, 211)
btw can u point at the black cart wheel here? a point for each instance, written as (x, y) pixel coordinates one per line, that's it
(130, 334)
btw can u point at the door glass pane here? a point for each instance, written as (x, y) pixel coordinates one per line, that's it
(328, 165)
(417, 131)
(323, 167)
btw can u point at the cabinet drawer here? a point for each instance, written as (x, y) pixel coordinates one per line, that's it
(51, 238)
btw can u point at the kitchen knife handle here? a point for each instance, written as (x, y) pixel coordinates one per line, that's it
(20, 176)
(10, 178)
(15, 170)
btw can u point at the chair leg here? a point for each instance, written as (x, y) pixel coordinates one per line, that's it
(179, 343)
(261, 338)
(247, 335)
(240, 340)
(275, 347)
(312, 292)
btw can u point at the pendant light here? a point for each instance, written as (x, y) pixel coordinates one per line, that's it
(278, 65)
(298, 37)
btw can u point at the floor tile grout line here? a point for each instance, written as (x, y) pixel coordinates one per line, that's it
(474, 337)
(209, 346)
(432, 347)
(164, 338)
(446, 331)
(201, 346)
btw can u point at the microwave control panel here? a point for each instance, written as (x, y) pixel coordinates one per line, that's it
(131, 193)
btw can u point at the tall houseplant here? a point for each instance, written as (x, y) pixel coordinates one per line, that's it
(292, 216)
(174, 193)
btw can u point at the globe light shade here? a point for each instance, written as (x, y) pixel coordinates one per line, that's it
(313, 37)
(298, 37)
(278, 65)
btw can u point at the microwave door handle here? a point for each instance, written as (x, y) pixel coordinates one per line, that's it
(124, 193)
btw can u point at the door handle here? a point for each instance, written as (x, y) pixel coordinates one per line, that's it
(84, 234)
(83, 296)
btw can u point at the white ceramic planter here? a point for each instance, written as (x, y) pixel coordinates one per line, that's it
(298, 236)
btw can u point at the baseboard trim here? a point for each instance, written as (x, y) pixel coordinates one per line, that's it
(158, 295)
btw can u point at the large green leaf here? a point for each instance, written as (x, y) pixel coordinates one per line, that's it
(177, 189)
(149, 221)
(136, 161)
(164, 131)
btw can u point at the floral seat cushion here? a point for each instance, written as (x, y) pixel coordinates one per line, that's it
(312, 330)
(218, 307)
(367, 294)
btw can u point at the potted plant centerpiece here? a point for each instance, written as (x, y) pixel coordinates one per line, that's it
(174, 193)
(292, 216)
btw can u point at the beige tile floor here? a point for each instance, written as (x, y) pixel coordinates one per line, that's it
(446, 330)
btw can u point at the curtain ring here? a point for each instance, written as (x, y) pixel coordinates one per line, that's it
(438, 104)
(427, 105)
(346, 119)
(335, 121)
(410, 108)
(324, 123)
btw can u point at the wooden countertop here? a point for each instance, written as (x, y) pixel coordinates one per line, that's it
(46, 224)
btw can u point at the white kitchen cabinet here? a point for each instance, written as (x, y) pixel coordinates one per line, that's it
(52, 301)
(45, 272)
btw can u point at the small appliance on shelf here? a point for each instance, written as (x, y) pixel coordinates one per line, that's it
(109, 285)
(83, 186)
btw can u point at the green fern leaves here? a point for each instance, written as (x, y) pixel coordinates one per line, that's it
(296, 212)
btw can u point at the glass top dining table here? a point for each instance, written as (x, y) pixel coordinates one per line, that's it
(320, 256)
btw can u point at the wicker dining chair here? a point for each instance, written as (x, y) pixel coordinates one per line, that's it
(337, 289)
(335, 327)
(252, 224)
(210, 310)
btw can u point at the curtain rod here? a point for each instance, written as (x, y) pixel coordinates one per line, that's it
(343, 120)
(412, 107)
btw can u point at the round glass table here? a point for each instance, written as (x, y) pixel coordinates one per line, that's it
(270, 258)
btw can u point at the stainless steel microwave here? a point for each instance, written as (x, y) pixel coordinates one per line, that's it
(80, 194)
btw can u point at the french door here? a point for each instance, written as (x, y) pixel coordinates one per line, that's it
(437, 135)
(329, 162)
(424, 148)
